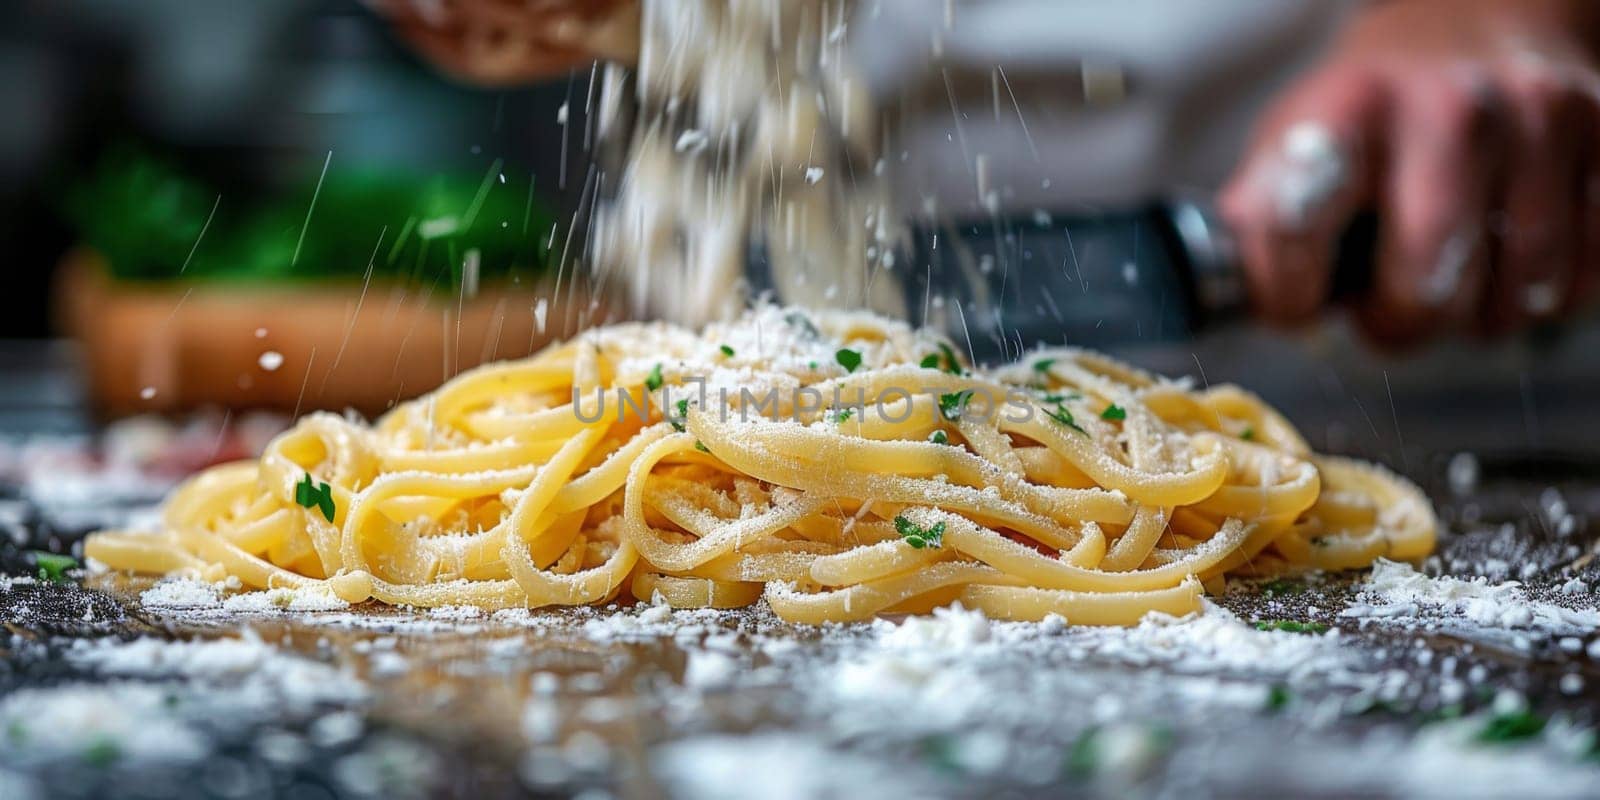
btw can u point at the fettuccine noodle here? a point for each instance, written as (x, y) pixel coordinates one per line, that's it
(837, 466)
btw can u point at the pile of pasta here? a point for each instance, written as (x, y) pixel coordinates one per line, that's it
(651, 462)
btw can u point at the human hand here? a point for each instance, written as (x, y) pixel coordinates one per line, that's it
(503, 42)
(1473, 128)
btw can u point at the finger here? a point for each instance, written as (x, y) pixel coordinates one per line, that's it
(1306, 176)
(487, 54)
(1436, 194)
(1539, 224)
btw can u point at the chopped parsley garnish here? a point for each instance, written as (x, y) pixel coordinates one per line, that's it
(1371, 706)
(1063, 416)
(1277, 697)
(938, 437)
(951, 365)
(1084, 757)
(726, 351)
(310, 494)
(653, 380)
(930, 361)
(1282, 587)
(1114, 413)
(52, 566)
(845, 414)
(941, 752)
(701, 446)
(802, 322)
(849, 359)
(1511, 726)
(1290, 626)
(1043, 364)
(683, 414)
(1248, 435)
(918, 536)
(102, 753)
(950, 405)
(1057, 398)
(813, 366)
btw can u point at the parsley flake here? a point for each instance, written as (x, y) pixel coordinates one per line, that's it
(1083, 760)
(102, 753)
(53, 566)
(849, 359)
(1511, 726)
(1043, 364)
(701, 446)
(683, 415)
(1114, 412)
(951, 365)
(845, 414)
(726, 351)
(310, 494)
(930, 361)
(1248, 435)
(1063, 416)
(1290, 626)
(653, 380)
(1282, 586)
(938, 437)
(1277, 697)
(950, 405)
(916, 535)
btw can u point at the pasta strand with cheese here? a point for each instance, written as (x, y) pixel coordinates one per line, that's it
(836, 466)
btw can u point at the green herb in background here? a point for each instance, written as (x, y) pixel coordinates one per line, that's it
(146, 216)
(53, 566)
(849, 359)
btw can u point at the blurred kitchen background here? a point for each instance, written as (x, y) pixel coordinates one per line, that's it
(195, 198)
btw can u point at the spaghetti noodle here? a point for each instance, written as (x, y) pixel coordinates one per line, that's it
(835, 465)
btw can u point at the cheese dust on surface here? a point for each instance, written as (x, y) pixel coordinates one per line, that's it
(189, 594)
(153, 701)
(949, 703)
(1397, 593)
